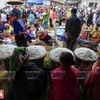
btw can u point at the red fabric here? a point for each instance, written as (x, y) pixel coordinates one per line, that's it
(63, 84)
(84, 34)
(38, 8)
(43, 36)
(94, 39)
(6, 36)
(92, 85)
(54, 15)
(11, 19)
(65, 33)
(98, 40)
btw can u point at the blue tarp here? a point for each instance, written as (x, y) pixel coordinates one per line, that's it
(34, 1)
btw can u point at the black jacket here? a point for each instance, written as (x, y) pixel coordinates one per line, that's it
(29, 82)
(73, 25)
(90, 19)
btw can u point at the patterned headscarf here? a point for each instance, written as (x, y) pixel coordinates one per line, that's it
(16, 11)
(19, 57)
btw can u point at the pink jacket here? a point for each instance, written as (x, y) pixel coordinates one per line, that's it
(63, 84)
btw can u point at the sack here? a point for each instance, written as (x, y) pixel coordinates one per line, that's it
(61, 38)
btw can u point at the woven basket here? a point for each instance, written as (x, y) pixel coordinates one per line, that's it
(87, 64)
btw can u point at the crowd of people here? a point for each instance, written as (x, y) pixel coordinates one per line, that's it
(28, 23)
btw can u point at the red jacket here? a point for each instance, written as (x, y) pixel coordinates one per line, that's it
(63, 84)
(92, 85)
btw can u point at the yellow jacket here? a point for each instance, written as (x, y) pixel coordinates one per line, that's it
(9, 30)
(68, 14)
(95, 33)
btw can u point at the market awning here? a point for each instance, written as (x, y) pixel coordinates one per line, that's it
(34, 1)
(14, 2)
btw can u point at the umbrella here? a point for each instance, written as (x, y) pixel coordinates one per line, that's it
(15, 2)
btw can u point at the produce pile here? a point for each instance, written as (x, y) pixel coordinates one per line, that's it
(36, 52)
(85, 54)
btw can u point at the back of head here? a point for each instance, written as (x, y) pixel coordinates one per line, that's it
(54, 10)
(16, 12)
(74, 11)
(67, 59)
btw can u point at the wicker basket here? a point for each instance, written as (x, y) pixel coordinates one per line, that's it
(83, 65)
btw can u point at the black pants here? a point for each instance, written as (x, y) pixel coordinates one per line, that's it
(60, 21)
(51, 23)
(21, 41)
(71, 40)
(46, 40)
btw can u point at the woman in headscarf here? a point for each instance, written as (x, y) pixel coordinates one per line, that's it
(64, 80)
(19, 29)
(28, 79)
